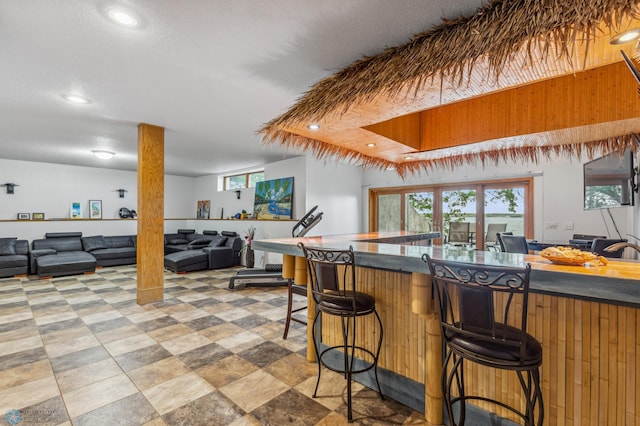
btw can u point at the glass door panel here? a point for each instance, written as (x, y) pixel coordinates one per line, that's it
(419, 212)
(389, 214)
(459, 207)
(503, 212)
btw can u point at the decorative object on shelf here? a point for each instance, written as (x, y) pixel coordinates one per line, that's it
(24, 216)
(37, 216)
(249, 255)
(121, 191)
(204, 207)
(243, 214)
(10, 187)
(238, 192)
(274, 199)
(75, 211)
(125, 213)
(95, 209)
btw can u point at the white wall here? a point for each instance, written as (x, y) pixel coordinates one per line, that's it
(336, 188)
(50, 188)
(558, 195)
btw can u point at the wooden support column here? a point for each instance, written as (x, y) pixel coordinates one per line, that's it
(150, 253)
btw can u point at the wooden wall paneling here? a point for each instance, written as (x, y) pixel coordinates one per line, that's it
(604, 94)
(150, 242)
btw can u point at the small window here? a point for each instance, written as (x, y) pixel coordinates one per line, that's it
(244, 180)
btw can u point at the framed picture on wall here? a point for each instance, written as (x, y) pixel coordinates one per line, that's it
(37, 216)
(274, 199)
(95, 209)
(75, 210)
(24, 216)
(204, 207)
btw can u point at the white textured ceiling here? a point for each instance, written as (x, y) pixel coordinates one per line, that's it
(209, 72)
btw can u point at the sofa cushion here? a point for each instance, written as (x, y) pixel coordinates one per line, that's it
(114, 253)
(7, 246)
(94, 243)
(177, 241)
(205, 232)
(14, 261)
(229, 233)
(186, 231)
(120, 241)
(217, 241)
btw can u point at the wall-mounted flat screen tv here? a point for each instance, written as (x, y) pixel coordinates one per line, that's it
(609, 181)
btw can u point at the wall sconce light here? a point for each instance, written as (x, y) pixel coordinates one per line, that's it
(238, 192)
(11, 186)
(121, 191)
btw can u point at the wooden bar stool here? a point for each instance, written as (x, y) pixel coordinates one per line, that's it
(332, 280)
(483, 318)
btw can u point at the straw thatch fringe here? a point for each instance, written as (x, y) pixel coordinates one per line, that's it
(451, 50)
(533, 153)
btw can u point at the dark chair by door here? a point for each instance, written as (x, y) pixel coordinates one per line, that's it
(599, 244)
(483, 318)
(332, 280)
(513, 243)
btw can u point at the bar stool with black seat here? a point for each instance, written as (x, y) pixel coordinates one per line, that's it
(332, 281)
(483, 318)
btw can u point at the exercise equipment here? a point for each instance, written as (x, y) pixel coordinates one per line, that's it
(271, 275)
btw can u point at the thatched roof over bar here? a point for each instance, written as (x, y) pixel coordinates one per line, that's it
(501, 32)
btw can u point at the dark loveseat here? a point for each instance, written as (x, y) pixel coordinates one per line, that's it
(60, 253)
(111, 250)
(221, 251)
(14, 257)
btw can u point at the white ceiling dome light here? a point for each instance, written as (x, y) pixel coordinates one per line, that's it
(103, 155)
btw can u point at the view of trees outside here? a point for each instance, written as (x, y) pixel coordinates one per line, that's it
(501, 206)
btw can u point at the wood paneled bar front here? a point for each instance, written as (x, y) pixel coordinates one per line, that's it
(587, 319)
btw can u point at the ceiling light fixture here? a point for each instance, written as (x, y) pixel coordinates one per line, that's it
(626, 36)
(371, 145)
(313, 126)
(122, 17)
(76, 99)
(103, 155)
(408, 157)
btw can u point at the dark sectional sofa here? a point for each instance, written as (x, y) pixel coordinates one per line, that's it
(14, 257)
(112, 250)
(60, 253)
(69, 253)
(208, 250)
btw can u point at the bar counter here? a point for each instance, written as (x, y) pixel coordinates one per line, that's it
(587, 319)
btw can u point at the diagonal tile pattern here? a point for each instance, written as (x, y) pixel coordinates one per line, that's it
(79, 351)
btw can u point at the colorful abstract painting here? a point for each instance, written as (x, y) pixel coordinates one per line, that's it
(274, 199)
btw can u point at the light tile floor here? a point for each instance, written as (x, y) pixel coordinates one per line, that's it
(79, 350)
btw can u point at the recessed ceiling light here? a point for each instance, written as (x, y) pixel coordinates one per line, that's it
(313, 126)
(76, 99)
(408, 157)
(371, 145)
(122, 17)
(103, 155)
(626, 36)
